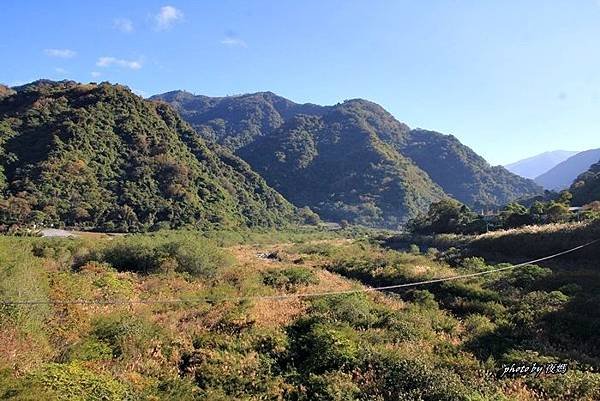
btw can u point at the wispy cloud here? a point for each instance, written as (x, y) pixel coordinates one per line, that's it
(96, 74)
(233, 42)
(113, 61)
(139, 92)
(167, 17)
(123, 25)
(62, 53)
(61, 71)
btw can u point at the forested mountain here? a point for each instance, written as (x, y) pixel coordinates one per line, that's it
(337, 165)
(100, 156)
(563, 174)
(462, 173)
(235, 121)
(586, 187)
(537, 165)
(269, 132)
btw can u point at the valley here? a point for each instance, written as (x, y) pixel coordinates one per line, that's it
(190, 316)
(237, 251)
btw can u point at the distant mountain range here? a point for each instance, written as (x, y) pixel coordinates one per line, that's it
(351, 161)
(100, 156)
(563, 174)
(537, 165)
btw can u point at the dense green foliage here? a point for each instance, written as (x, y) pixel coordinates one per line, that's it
(445, 342)
(235, 121)
(337, 166)
(462, 173)
(451, 217)
(586, 188)
(352, 161)
(100, 156)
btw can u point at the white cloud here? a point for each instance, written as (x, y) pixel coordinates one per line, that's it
(61, 71)
(96, 74)
(233, 42)
(110, 61)
(62, 53)
(167, 16)
(123, 25)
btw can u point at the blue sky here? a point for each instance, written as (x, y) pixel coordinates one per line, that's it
(508, 78)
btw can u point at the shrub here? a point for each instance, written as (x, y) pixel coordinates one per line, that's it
(90, 349)
(355, 310)
(23, 389)
(432, 252)
(390, 377)
(414, 249)
(477, 325)
(289, 278)
(148, 254)
(424, 298)
(74, 382)
(474, 263)
(334, 386)
(121, 331)
(318, 347)
(527, 276)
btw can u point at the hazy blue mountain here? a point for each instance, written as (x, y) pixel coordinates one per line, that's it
(563, 174)
(537, 165)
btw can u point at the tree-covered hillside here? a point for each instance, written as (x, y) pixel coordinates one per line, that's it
(256, 126)
(337, 166)
(235, 121)
(586, 188)
(100, 156)
(462, 173)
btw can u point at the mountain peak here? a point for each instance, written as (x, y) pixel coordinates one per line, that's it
(562, 174)
(534, 166)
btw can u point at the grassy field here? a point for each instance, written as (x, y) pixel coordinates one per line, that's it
(100, 332)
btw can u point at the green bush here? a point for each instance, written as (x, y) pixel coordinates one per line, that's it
(149, 254)
(120, 332)
(289, 278)
(23, 389)
(334, 386)
(527, 276)
(476, 325)
(90, 349)
(355, 310)
(319, 347)
(74, 382)
(391, 377)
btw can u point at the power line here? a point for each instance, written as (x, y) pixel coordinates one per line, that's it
(292, 296)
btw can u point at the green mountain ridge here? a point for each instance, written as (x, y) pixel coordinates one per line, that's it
(253, 126)
(100, 156)
(343, 171)
(586, 187)
(462, 173)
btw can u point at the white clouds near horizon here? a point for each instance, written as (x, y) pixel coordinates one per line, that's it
(108, 61)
